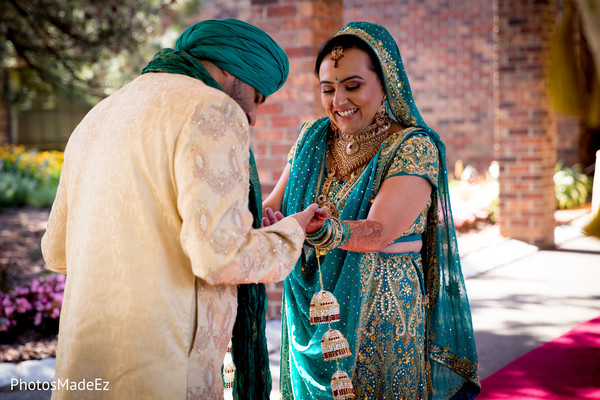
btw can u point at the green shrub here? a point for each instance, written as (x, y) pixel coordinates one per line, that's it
(15, 189)
(571, 186)
(28, 176)
(42, 196)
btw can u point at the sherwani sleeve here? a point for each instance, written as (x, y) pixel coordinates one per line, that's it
(212, 179)
(53, 242)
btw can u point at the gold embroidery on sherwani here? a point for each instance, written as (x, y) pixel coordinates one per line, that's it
(234, 162)
(203, 222)
(225, 240)
(200, 162)
(251, 262)
(221, 181)
(239, 129)
(216, 126)
(213, 127)
(228, 110)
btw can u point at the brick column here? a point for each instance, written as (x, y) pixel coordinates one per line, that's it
(299, 27)
(524, 124)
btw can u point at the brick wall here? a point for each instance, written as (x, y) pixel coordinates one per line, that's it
(299, 27)
(219, 9)
(524, 123)
(568, 133)
(447, 50)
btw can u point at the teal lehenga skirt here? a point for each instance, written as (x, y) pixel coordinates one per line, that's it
(391, 356)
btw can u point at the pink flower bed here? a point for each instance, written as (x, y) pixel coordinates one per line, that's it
(35, 306)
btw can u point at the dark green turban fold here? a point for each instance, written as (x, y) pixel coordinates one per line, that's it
(238, 47)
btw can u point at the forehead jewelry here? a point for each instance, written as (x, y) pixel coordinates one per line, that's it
(336, 53)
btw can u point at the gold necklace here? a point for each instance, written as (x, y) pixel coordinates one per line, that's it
(331, 203)
(322, 199)
(351, 152)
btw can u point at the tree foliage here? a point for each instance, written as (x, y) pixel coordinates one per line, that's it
(77, 47)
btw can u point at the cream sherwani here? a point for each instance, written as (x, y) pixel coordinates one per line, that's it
(151, 226)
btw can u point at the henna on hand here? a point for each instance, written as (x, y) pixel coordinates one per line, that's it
(365, 237)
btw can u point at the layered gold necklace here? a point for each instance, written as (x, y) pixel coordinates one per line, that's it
(352, 152)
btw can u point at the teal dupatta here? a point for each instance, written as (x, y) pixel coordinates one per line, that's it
(450, 344)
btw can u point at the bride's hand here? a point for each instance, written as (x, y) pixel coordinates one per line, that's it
(317, 220)
(271, 217)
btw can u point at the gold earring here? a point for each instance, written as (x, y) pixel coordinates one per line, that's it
(381, 112)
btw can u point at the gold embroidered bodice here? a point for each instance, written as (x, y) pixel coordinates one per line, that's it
(416, 156)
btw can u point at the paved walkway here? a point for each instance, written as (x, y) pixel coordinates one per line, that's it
(521, 297)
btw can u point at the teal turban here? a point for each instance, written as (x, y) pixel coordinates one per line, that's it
(238, 47)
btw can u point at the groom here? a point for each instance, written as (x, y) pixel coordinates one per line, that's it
(157, 221)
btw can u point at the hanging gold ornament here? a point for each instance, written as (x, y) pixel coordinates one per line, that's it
(228, 369)
(334, 345)
(341, 386)
(324, 308)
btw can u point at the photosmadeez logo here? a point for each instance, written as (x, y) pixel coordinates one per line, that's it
(97, 384)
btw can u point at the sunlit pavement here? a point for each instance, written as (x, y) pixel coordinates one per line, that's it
(525, 303)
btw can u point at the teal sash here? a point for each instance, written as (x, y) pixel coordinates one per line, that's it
(249, 340)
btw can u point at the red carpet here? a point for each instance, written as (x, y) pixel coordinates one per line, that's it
(565, 368)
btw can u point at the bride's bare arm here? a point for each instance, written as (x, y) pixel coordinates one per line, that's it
(395, 208)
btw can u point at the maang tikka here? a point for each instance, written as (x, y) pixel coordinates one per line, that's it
(336, 53)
